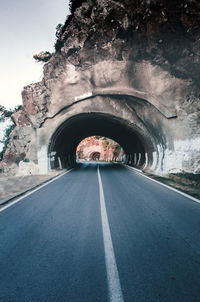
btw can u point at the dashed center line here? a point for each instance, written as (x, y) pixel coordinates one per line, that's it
(114, 286)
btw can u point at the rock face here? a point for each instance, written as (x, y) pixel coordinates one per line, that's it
(99, 148)
(128, 70)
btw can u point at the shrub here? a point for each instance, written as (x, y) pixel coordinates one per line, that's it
(6, 139)
(59, 30)
(117, 148)
(7, 113)
(17, 160)
(105, 144)
(26, 160)
(43, 56)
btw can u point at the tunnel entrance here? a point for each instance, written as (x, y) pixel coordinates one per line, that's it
(138, 146)
(95, 156)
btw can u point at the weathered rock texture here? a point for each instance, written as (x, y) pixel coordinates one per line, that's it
(126, 69)
(99, 148)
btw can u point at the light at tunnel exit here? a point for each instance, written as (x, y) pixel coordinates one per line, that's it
(99, 148)
(137, 147)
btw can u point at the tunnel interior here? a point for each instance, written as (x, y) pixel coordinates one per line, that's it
(137, 146)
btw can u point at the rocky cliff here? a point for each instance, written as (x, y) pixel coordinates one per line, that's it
(99, 148)
(148, 50)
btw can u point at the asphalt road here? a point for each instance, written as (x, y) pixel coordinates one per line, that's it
(89, 235)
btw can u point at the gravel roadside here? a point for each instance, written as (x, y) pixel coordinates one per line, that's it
(13, 186)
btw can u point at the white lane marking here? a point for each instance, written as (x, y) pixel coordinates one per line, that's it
(114, 286)
(31, 192)
(164, 185)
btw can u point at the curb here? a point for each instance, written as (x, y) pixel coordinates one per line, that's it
(22, 193)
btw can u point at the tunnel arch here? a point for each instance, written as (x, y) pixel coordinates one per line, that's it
(139, 146)
(95, 155)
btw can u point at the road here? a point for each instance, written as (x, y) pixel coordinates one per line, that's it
(101, 234)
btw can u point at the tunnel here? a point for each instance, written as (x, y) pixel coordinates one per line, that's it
(95, 156)
(138, 146)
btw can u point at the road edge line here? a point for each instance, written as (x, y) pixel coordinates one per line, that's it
(25, 194)
(164, 185)
(114, 286)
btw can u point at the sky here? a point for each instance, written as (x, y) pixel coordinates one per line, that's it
(26, 27)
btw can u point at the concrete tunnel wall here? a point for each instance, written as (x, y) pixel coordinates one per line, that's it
(145, 134)
(59, 138)
(67, 137)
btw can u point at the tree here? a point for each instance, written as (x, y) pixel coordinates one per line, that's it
(105, 144)
(116, 151)
(6, 113)
(6, 139)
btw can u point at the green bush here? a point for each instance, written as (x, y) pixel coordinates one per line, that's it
(7, 113)
(17, 160)
(6, 139)
(117, 148)
(26, 160)
(105, 144)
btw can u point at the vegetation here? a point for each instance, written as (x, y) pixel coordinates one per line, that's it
(117, 150)
(26, 160)
(43, 56)
(73, 5)
(7, 113)
(6, 138)
(4, 115)
(105, 144)
(59, 30)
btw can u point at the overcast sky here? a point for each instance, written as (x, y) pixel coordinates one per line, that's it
(26, 27)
